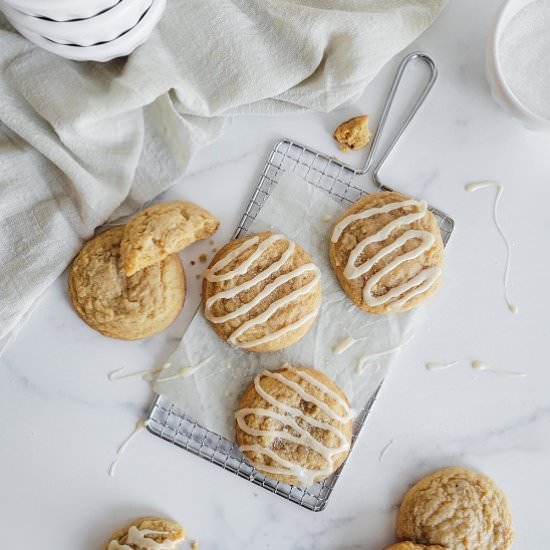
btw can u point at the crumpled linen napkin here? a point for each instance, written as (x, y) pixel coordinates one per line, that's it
(81, 143)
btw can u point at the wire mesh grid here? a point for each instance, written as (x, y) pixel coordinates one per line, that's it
(169, 422)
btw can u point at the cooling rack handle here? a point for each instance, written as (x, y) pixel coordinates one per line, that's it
(432, 77)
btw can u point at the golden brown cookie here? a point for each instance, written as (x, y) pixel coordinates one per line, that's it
(353, 134)
(142, 531)
(412, 546)
(124, 307)
(294, 425)
(161, 230)
(387, 252)
(456, 508)
(261, 292)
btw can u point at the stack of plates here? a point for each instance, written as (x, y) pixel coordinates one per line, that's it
(93, 30)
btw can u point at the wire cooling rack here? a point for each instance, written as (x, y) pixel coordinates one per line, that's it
(338, 180)
(172, 424)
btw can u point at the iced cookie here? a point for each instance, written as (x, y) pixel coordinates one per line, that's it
(456, 508)
(413, 546)
(261, 292)
(161, 230)
(294, 425)
(353, 134)
(148, 533)
(124, 307)
(387, 252)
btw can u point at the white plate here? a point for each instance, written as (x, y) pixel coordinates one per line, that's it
(62, 10)
(85, 32)
(119, 47)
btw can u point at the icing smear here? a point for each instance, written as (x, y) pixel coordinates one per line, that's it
(479, 365)
(477, 186)
(184, 372)
(139, 538)
(140, 426)
(433, 365)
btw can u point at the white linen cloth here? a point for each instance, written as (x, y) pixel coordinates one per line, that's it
(84, 142)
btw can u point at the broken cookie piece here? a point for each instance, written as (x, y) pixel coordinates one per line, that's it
(161, 230)
(147, 533)
(353, 134)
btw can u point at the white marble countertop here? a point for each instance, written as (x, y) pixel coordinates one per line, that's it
(61, 419)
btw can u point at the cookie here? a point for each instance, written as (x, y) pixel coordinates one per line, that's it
(123, 307)
(353, 134)
(161, 230)
(147, 533)
(387, 252)
(262, 292)
(456, 508)
(413, 546)
(294, 425)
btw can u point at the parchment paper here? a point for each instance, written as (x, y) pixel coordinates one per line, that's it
(306, 215)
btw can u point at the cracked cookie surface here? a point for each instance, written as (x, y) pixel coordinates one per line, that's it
(124, 307)
(456, 508)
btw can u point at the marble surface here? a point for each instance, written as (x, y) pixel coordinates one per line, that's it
(61, 419)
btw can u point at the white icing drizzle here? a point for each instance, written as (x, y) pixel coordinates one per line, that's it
(385, 449)
(213, 276)
(476, 186)
(365, 358)
(433, 365)
(362, 365)
(289, 416)
(420, 283)
(140, 426)
(346, 343)
(147, 374)
(343, 345)
(479, 365)
(138, 538)
(184, 372)
(363, 362)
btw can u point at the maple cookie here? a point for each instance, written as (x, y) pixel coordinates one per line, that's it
(161, 230)
(412, 546)
(294, 425)
(123, 307)
(147, 533)
(262, 292)
(387, 252)
(456, 508)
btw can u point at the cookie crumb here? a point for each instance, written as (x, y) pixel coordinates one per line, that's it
(327, 217)
(192, 262)
(203, 258)
(353, 134)
(194, 545)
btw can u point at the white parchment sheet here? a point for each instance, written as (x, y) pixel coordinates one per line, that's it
(210, 394)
